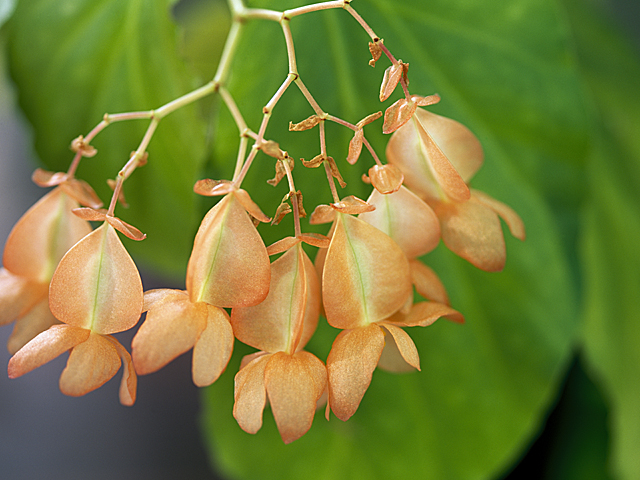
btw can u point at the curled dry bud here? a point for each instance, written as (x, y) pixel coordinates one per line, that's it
(78, 145)
(335, 172)
(272, 149)
(281, 171)
(306, 124)
(376, 51)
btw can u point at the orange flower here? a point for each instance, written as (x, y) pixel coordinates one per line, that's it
(96, 291)
(438, 157)
(227, 251)
(292, 379)
(34, 247)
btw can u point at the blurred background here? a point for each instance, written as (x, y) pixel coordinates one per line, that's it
(46, 435)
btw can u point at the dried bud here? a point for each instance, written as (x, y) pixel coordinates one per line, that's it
(281, 172)
(272, 149)
(315, 162)
(368, 119)
(376, 52)
(282, 210)
(306, 124)
(391, 78)
(335, 172)
(78, 145)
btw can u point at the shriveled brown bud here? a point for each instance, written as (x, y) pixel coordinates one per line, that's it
(282, 210)
(281, 171)
(78, 145)
(306, 124)
(369, 119)
(315, 162)
(272, 149)
(376, 51)
(335, 172)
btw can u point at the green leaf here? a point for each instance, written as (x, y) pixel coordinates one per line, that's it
(75, 62)
(609, 250)
(506, 71)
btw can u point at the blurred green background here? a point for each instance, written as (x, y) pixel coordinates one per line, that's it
(550, 347)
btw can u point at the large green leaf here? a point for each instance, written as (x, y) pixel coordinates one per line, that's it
(75, 61)
(609, 248)
(505, 70)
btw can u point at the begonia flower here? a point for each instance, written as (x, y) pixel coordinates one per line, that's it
(438, 157)
(229, 267)
(95, 291)
(365, 280)
(292, 379)
(33, 249)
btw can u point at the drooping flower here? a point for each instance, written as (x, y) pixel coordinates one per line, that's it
(33, 249)
(95, 291)
(292, 379)
(438, 157)
(228, 267)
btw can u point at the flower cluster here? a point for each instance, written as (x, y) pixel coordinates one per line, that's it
(70, 287)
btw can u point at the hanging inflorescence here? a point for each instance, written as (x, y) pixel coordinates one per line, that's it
(70, 287)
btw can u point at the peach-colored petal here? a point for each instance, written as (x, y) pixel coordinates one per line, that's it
(423, 314)
(91, 364)
(386, 178)
(398, 115)
(407, 219)
(42, 236)
(294, 384)
(151, 297)
(322, 214)
(172, 327)
(391, 359)
(282, 245)
(129, 382)
(90, 214)
(18, 295)
(250, 395)
(472, 231)
(34, 321)
(405, 345)
(210, 188)
(365, 277)
(228, 251)
(125, 228)
(511, 218)
(81, 192)
(276, 324)
(45, 178)
(427, 282)
(213, 348)
(444, 173)
(315, 239)
(457, 142)
(437, 155)
(250, 206)
(45, 347)
(426, 101)
(313, 303)
(350, 365)
(97, 285)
